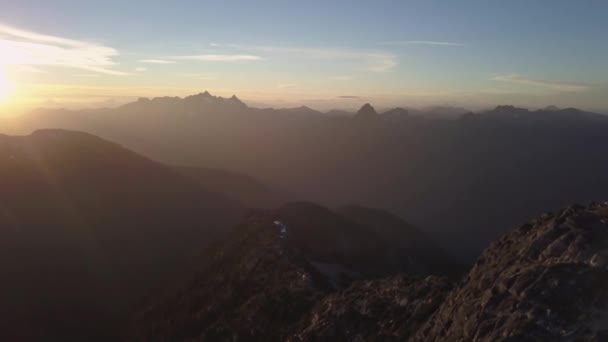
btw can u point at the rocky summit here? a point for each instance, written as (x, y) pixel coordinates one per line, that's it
(373, 310)
(544, 281)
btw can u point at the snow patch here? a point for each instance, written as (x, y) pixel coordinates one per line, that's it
(282, 229)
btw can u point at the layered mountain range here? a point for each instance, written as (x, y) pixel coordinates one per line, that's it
(464, 178)
(100, 243)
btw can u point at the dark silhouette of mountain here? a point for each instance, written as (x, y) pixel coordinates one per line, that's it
(549, 115)
(412, 251)
(443, 112)
(87, 229)
(259, 282)
(551, 108)
(366, 112)
(396, 114)
(301, 110)
(339, 112)
(241, 188)
(507, 163)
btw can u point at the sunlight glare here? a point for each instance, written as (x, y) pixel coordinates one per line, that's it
(5, 86)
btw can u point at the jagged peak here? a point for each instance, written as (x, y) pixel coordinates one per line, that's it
(367, 111)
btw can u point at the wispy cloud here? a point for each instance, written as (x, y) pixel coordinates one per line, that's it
(140, 69)
(569, 87)
(420, 42)
(219, 58)
(22, 47)
(351, 97)
(374, 61)
(157, 61)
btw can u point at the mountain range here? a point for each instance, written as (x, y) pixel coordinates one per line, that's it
(439, 167)
(100, 243)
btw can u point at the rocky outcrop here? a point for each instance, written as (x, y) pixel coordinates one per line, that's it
(545, 281)
(374, 310)
(275, 280)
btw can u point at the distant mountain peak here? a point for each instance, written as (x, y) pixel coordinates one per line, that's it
(551, 108)
(508, 108)
(399, 111)
(367, 111)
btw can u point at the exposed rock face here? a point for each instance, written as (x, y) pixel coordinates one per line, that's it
(546, 281)
(373, 310)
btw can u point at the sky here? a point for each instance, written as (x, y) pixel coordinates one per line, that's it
(323, 54)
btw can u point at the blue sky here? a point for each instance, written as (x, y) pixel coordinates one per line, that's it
(469, 53)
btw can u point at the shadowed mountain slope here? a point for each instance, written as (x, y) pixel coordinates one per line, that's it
(242, 188)
(273, 268)
(87, 228)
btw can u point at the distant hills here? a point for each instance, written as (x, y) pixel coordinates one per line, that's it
(438, 167)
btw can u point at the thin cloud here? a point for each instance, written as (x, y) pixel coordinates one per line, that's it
(569, 87)
(140, 69)
(219, 58)
(26, 48)
(420, 42)
(157, 61)
(348, 97)
(374, 61)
